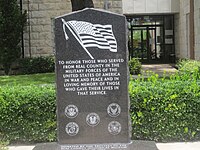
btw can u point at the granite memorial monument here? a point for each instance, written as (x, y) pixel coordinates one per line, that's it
(92, 82)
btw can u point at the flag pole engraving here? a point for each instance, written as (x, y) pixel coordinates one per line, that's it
(66, 36)
(77, 39)
(91, 35)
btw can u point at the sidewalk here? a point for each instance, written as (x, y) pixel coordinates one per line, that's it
(161, 146)
(179, 146)
(159, 68)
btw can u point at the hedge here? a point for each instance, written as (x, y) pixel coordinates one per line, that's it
(3, 145)
(162, 109)
(28, 113)
(188, 66)
(37, 65)
(166, 109)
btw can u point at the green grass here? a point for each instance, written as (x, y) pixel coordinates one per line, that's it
(36, 79)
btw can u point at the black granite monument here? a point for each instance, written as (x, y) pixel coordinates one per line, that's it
(92, 82)
(91, 64)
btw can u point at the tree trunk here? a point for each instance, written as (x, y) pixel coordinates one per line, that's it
(81, 4)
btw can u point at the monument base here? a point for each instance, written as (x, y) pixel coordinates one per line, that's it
(134, 145)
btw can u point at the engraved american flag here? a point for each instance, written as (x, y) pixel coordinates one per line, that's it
(94, 35)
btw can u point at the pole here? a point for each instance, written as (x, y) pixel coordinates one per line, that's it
(22, 32)
(192, 34)
(29, 30)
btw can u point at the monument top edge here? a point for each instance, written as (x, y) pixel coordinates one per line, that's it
(89, 9)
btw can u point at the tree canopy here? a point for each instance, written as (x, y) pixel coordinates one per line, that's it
(12, 22)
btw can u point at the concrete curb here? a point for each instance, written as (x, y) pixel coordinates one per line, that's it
(21, 147)
(161, 146)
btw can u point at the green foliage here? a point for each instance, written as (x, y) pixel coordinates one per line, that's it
(134, 66)
(188, 66)
(37, 65)
(3, 146)
(166, 109)
(12, 22)
(137, 35)
(28, 113)
(3, 143)
(162, 109)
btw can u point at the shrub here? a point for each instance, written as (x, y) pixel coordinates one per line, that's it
(3, 143)
(188, 66)
(134, 66)
(165, 109)
(37, 65)
(28, 113)
(3, 146)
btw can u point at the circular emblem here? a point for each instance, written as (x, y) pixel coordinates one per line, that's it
(72, 129)
(92, 119)
(114, 127)
(71, 111)
(114, 110)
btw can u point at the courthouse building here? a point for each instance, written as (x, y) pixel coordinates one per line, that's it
(159, 30)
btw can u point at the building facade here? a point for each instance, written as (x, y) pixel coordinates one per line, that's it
(38, 35)
(159, 30)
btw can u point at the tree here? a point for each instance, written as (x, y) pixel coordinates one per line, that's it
(12, 22)
(81, 4)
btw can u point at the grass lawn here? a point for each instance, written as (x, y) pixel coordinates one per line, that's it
(36, 79)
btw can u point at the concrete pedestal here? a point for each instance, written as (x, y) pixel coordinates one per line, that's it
(134, 145)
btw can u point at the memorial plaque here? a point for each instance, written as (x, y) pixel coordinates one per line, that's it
(92, 85)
